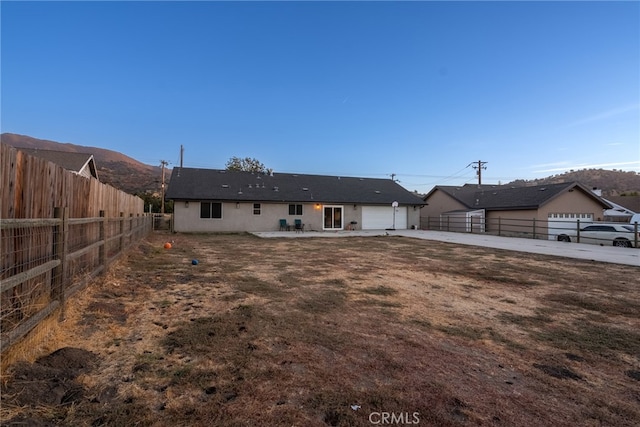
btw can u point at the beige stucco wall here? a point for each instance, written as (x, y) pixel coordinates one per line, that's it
(572, 202)
(239, 217)
(513, 222)
(439, 202)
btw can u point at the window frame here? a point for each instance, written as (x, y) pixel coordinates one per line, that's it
(297, 209)
(210, 210)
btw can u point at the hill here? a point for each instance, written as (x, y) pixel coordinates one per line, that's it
(114, 168)
(134, 177)
(611, 182)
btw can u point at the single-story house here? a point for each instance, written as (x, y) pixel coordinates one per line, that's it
(82, 164)
(212, 200)
(540, 210)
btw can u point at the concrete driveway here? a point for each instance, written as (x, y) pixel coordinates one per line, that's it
(627, 256)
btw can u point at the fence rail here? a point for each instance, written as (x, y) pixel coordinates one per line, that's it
(553, 229)
(46, 261)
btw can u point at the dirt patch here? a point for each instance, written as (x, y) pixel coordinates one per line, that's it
(49, 381)
(558, 371)
(340, 332)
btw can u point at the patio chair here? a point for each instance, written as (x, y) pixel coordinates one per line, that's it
(283, 225)
(299, 226)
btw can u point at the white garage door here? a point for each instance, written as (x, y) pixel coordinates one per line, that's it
(381, 217)
(561, 223)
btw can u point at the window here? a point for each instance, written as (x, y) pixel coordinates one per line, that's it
(256, 208)
(211, 210)
(295, 209)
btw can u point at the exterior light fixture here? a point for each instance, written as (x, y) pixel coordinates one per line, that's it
(186, 204)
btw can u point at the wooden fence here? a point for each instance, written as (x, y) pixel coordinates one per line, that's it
(58, 231)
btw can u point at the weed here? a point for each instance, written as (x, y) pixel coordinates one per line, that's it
(590, 337)
(163, 303)
(608, 305)
(380, 290)
(538, 320)
(468, 332)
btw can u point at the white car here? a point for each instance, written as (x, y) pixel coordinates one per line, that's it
(605, 234)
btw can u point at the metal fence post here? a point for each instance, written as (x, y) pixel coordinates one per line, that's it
(635, 234)
(578, 231)
(60, 242)
(534, 229)
(499, 225)
(102, 259)
(121, 232)
(130, 230)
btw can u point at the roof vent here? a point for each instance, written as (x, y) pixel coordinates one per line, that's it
(239, 191)
(305, 189)
(225, 185)
(542, 189)
(222, 171)
(250, 186)
(275, 188)
(377, 191)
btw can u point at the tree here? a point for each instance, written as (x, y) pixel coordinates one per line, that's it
(153, 200)
(247, 164)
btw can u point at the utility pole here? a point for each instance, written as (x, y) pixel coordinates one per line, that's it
(479, 167)
(181, 154)
(163, 163)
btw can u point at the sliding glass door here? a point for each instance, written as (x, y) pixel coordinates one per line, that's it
(333, 218)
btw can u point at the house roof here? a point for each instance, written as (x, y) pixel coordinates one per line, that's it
(69, 160)
(502, 197)
(215, 184)
(631, 203)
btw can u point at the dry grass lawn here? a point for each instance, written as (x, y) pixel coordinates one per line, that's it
(296, 331)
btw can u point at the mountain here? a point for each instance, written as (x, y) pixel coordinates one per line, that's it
(611, 182)
(134, 177)
(114, 168)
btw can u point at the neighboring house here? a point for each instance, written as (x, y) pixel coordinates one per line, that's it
(486, 208)
(211, 200)
(623, 208)
(82, 164)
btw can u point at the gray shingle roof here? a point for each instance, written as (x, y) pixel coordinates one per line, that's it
(67, 159)
(215, 184)
(496, 197)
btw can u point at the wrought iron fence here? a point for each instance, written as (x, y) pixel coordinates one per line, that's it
(574, 230)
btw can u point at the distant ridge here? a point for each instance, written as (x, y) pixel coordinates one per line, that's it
(114, 168)
(611, 182)
(134, 177)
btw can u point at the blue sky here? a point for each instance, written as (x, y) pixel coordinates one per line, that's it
(418, 89)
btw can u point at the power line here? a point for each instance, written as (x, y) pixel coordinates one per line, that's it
(479, 168)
